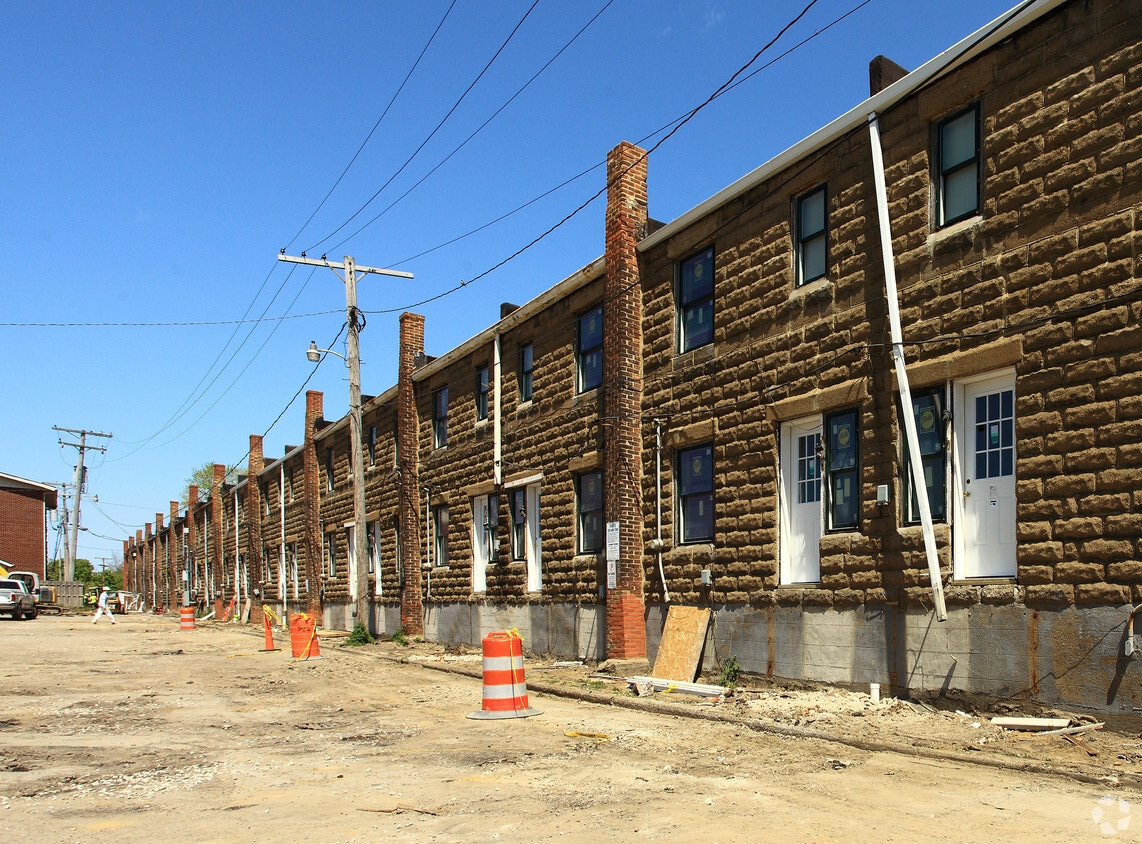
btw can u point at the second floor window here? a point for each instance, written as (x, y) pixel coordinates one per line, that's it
(957, 166)
(589, 350)
(812, 236)
(372, 445)
(482, 393)
(696, 301)
(526, 363)
(440, 418)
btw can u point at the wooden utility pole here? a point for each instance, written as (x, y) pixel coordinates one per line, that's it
(80, 478)
(358, 558)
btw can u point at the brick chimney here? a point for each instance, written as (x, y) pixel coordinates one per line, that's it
(408, 482)
(622, 396)
(311, 501)
(217, 505)
(254, 526)
(174, 560)
(882, 72)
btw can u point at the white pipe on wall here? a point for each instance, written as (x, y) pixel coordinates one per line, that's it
(897, 337)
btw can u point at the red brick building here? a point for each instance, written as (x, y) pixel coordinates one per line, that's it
(23, 523)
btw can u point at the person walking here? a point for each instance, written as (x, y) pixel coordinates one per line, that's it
(104, 606)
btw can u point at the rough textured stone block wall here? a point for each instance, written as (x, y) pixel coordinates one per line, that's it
(382, 503)
(554, 434)
(1050, 263)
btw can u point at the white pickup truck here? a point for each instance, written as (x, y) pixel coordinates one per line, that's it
(16, 600)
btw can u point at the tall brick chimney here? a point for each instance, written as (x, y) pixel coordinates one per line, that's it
(311, 501)
(622, 396)
(174, 558)
(408, 482)
(191, 563)
(254, 526)
(217, 505)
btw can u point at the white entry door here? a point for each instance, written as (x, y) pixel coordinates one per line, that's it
(534, 548)
(985, 480)
(801, 513)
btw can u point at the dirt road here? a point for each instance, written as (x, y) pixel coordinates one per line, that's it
(143, 732)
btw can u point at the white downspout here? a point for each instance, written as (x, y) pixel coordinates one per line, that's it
(497, 427)
(658, 505)
(897, 337)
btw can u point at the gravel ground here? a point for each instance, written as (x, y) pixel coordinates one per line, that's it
(140, 730)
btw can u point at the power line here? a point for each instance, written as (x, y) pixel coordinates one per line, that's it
(372, 131)
(431, 134)
(477, 131)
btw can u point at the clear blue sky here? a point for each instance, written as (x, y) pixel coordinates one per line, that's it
(156, 156)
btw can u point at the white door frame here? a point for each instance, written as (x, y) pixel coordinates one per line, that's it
(791, 569)
(967, 500)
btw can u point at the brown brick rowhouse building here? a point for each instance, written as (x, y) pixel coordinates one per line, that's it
(717, 399)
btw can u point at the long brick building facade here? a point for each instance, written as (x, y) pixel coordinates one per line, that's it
(710, 414)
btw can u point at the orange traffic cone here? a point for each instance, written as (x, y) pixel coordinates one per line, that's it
(269, 632)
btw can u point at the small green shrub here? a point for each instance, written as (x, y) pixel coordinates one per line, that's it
(730, 672)
(360, 636)
(398, 638)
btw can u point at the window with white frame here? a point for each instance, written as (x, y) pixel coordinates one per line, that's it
(842, 471)
(372, 445)
(589, 507)
(482, 389)
(958, 167)
(812, 236)
(589, 350)
(526, 365)
(696, 300)
(696, 493)
(440, 418)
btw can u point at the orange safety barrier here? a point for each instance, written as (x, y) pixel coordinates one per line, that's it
(505, 689)
(269, 631)
(186, 618)
(303, 636)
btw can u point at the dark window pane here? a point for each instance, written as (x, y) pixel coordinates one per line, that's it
(698, 325)
(695, 470)
(698, 518)
(698, 277)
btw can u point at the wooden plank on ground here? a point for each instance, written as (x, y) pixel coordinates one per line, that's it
(681, 648)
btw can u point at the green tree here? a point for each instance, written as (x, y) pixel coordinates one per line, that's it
(203, 478)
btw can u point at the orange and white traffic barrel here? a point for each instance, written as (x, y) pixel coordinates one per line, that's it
(505, 689)
(186, 618)
(303, 636)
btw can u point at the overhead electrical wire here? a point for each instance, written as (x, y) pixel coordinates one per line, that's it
(478, 129)
(677, 126)
(372, 131)
(431, 134)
